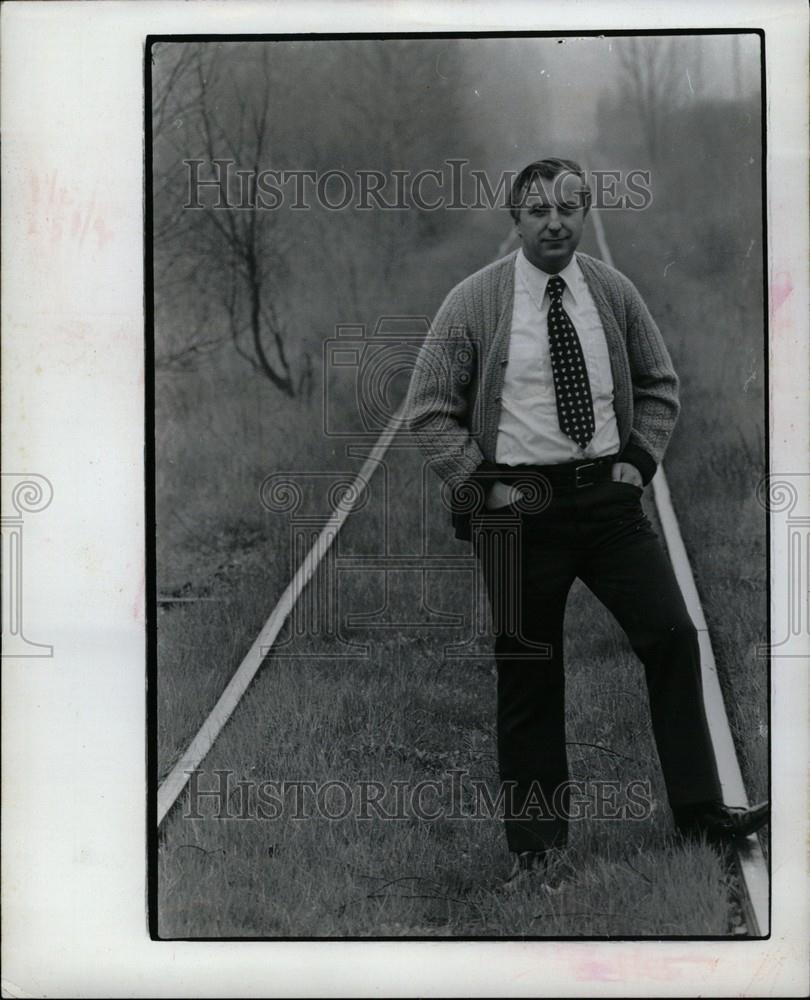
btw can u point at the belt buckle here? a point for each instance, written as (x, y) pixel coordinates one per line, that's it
(577, 483)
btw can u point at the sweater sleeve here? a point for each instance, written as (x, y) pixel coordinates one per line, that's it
(438, 403)
(655, 387)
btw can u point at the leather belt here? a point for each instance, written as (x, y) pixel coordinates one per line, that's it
(566, 477)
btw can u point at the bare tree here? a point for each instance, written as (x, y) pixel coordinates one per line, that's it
(213, 110)
(232, 278)
(651, 85)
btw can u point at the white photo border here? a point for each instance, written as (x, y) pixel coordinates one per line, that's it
(74, 772)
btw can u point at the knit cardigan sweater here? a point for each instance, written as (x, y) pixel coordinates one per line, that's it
(454, 398)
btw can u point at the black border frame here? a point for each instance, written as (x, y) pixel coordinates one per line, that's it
(150, 538)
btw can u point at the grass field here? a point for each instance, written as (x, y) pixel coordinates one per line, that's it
(408, 713)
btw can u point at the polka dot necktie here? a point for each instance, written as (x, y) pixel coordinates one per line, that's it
(571, 384)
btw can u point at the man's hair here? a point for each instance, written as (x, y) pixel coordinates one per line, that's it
(547, 169)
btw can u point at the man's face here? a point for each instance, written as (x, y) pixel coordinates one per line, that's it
(551, 220)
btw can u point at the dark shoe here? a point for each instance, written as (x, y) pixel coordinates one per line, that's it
(534, 870)
(720, 822)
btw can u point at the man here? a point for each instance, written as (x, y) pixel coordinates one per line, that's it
(544, 398)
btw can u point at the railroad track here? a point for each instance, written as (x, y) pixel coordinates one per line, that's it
(747, 853)
(748, 856)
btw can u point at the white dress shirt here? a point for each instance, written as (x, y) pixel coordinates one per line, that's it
(529, 431)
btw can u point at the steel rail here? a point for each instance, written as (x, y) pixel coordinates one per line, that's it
(750, 860)
(178, 777)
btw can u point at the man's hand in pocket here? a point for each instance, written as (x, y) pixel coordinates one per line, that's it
(624, 472)
(501, 494)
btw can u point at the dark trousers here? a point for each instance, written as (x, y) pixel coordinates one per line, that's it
(601, 535)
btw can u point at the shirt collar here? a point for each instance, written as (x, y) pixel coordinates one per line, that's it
(537, 279)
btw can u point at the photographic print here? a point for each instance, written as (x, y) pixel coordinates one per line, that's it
(457, 486)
